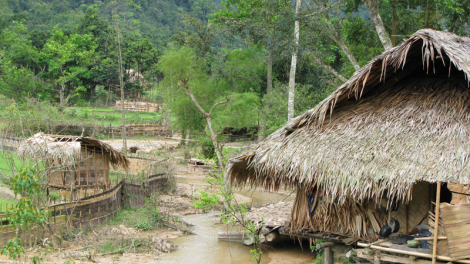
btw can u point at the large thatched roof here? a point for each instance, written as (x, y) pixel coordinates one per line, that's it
(67, 149)
(402, 118)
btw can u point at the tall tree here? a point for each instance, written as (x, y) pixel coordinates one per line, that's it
(293, 66)
(373, 7)
(66, 58)
(213, 98)
(182, 67)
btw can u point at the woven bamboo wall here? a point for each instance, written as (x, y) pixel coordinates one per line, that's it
(460, 193)
(418, 207)
(92, 171)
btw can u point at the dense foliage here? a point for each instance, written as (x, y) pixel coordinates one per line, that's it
(66, 52)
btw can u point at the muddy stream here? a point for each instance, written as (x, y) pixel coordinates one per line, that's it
(204, 247)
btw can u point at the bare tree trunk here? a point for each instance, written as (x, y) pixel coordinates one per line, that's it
(207, 117)
(121, 83)
(336, 36)
(394, 22)
(269, 88)
(373, 7)
(215, 142)
(290, 104)
(62, 94)
(269, 81)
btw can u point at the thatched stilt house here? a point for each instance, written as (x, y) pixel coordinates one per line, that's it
(379, 147)
(76, 163)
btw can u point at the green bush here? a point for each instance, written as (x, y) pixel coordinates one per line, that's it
(143, 225)
(205, 201)
(208, 150)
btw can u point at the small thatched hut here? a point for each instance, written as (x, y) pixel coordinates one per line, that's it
(379, 147)
(77, 162)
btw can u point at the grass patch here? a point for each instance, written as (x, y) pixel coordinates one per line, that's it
(140, 218)
(137, 245)
(109, 116)
(5, 204)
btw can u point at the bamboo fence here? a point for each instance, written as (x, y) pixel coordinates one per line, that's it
(89, 211)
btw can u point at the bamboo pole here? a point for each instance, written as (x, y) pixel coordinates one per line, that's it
(95, 169)
(412, 253)
(79, 175)
(436, 223)
(105, 177)
(87, 169)
(430, 238)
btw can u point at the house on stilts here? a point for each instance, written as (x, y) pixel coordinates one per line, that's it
(389, 149)
(76, 166)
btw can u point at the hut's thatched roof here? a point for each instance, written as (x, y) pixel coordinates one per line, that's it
(402, 118)
(67, 149)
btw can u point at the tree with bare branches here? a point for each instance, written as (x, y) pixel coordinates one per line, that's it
(214, 101)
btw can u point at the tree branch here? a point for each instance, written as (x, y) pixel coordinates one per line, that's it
(219, 103)
(336, 36)
(328, 67)
(188, 93)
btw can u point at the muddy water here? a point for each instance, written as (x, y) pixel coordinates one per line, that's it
(204, 247)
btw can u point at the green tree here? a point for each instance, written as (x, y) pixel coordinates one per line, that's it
(217, 105)
(66, 58)
(16, 83)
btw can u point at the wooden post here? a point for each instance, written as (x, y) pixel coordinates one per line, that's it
(436, 223)
(105, 177)
(72, 186)
(87, 169)
(95, 167)
(406, 218)
(329, 258)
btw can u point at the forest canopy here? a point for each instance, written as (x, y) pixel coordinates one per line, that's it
(67, 52)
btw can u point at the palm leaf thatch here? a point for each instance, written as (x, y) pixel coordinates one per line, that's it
(402, 118)
(67, 149)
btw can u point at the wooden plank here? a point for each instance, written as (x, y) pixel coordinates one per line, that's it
(405, 252)
(454, 207)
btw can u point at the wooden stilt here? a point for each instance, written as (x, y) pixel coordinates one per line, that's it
(95, 168)
(327, 246)
(436, 223)
(329, 255)
(87, 170)
(406, 218)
